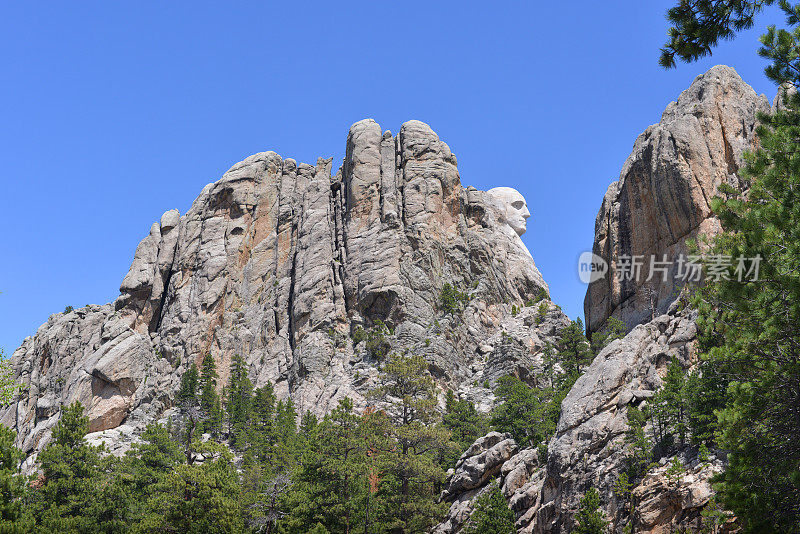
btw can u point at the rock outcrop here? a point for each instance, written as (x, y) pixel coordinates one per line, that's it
(663, 195)
(480, 463)
(280, 262)
(661, 200)
(492, 459)
(589, 449)
(667, 505)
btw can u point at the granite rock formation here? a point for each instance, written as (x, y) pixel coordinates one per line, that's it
(281, 262)
(588, 449)
(662, 197)
(666, 506)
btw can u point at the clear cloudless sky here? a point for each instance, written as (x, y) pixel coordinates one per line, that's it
(115, 112)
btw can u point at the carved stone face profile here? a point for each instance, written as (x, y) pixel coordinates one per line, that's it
(512, 207)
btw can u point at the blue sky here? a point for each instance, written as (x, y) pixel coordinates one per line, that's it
(115, 112)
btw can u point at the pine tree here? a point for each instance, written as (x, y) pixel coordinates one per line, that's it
(528, 414)
(187, 394)
(465, 425)
(210, 406)
(462, 419)
(333, 471)
(749, 324)
(262, 426)
(14, 517)
(491, 515)
(307, 433)
(574, 351)
(751, 328)
(590, 518)
(614, 329)
(78, 493)
(150, 459)
(263, 406)
(265, 500)
(198, 498)
(699, 26)
(668, 408)
(675, 471)
(283, 454)
(639, 449)
(706, 394)
(239, 402)
(413, 476)
(207, 383)
(379, 447)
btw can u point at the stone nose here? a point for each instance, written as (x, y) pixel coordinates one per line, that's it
(525, 212)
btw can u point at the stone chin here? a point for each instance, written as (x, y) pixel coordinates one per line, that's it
(512, 207)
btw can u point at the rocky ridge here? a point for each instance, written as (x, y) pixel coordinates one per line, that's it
(281, 262)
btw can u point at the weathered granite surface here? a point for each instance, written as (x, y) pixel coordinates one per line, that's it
(588, 449)
(662, 197)
(280, 262)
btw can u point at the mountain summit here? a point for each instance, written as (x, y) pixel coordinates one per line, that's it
(292, 267)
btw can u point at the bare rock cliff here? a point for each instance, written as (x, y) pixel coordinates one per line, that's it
(280, 262)
(662, 197)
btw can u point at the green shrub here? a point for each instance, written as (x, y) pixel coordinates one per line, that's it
(590, 518)
(528, 414)
(541, 313)
(451, 300)
(541, 448)
(675, 471)
(613, 329)
(359, 335)
(702, 454)
(491, 515)
(541, 294)
(377, 346)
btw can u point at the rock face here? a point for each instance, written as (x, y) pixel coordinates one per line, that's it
(280, 262)
(480, 463)
(666, 506)
(663, 194)
(492, 459)
(588, 449)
